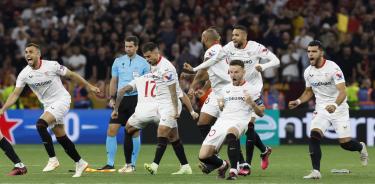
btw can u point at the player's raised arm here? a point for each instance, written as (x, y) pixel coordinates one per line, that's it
(11, 99)
(75, 77)
(273, 61)
(202, 75)
(306, 95)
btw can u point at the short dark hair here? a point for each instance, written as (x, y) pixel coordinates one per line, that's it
(33, 45)
(316, 43)
(150, 46)
(238, 63)
(133, 39)
(240, 27)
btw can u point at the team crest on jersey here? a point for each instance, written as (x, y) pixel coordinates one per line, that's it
(211, 53)
(168, 76)
(339, 76)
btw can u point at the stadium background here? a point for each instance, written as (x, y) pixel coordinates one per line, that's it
(86, 36)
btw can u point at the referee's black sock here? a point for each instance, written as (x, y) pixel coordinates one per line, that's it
(160, 149)
(128, 147)
(250, 136)
(233, 150)
(213, 161)
(180, 152)
(69, 147)
(314, 148)
(9, 151)
(205, 129)
(352, 146)
(41, 126)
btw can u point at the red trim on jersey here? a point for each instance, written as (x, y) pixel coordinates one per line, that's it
(242, 82)
(39, 64)
(159, 59)
(245, 45)
(324, 62)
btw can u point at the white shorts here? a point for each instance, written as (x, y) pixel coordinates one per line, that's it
(58, 109)
(219, 130)
(339, 120)
(144, 115)
(211, 105)
(166, 113)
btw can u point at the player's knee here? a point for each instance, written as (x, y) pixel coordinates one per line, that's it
(315, 135)
(41, 125)
(112, 131)
(231, 137)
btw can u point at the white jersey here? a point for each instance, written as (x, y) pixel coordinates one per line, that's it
(218, 73)
(323, 83)
(145, 86)
(248, 56)
(45, 82)
(164, 74)
(235, 106)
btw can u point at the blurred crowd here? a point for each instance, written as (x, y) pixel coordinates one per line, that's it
(87, 35)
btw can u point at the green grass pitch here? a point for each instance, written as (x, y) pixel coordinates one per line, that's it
(288, 165)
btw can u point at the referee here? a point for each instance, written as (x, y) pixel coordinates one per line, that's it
(124, 70)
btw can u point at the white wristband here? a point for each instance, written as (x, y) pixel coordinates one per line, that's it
(298, 101)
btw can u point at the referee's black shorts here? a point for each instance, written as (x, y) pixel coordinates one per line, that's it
(125, 110)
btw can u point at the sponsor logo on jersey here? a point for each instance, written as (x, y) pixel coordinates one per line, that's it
(39, 84)
(232, 98)
(316, 84)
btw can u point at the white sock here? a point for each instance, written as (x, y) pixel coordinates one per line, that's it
(52, 158)
(233, 171)
(19, 165)
(155, 165)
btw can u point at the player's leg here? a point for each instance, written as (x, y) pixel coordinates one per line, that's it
(19, 167)
(210, 147)
(319, 124)
(41, 125)
(233, 150)
(162, 141)
(130, 131)
(129, 109)
(136, 147)
(179, 150)
(341, 123)
(209, 112)
(69, 148)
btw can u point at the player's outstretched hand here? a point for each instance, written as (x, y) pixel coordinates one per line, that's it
(258, 67)
(194, 115)
(114, 114)
(293, 104)
(331, 108)
(94, 89)
(188, 67)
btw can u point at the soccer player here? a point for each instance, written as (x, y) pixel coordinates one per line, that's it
(325, 80)
(237, 104)
(43, 77)
(217, 74)
(124, 70)
(146, 111)
(250, 53)
(169, 108)
(19, 167)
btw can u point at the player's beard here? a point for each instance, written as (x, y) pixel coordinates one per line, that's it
(238, 44)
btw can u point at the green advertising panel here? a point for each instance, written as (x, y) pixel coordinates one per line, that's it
(267, 127)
